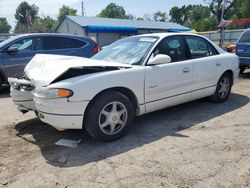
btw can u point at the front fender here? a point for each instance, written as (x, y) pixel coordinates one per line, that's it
(86, 87)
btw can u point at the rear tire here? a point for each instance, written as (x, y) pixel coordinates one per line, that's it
(242, 69)
(109, 116)
(1, 83)
(223, 89)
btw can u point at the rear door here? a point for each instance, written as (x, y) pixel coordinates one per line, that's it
(64, 46)
(14, 63)
(243, 48)
(207, 66)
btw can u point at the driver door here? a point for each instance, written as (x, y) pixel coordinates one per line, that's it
(169, 84)
(14, 62)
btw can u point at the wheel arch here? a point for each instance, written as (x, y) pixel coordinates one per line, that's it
(123, 90)
(230, 72)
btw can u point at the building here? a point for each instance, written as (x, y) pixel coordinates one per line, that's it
(107, 30)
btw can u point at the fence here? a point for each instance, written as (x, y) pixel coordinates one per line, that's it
(230, 36)
(4, 36)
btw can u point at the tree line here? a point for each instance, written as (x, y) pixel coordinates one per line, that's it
(199, 17)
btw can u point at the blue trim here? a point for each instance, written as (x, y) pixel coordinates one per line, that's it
(178, 29)
(110, 29)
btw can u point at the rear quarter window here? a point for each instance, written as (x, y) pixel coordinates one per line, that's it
(78, 43)
(245, 37)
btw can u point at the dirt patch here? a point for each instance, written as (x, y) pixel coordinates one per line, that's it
(197, 144)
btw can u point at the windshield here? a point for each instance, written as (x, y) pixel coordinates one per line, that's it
(7, 41)
(129, 50)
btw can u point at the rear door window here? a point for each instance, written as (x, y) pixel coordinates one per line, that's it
(245, 37)
(54, 43)
(199, 47)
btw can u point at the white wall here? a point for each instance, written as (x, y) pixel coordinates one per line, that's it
(103, 39)
(69, 27)
(107, 38)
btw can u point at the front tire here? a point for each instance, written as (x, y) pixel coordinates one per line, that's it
(223, 88)
(109, 116)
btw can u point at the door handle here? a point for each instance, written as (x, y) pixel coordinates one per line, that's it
(186, 70)
(218, 64)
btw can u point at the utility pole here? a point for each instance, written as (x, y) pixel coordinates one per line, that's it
(82, 10)
(27, 18)
(221, 21)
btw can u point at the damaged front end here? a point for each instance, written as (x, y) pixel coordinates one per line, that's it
(21, 94)
(44, 70)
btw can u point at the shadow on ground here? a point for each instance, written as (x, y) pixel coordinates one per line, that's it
(245, 75)
(146, 129)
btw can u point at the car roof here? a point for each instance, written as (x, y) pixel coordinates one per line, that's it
(50, 34)
(163, 35)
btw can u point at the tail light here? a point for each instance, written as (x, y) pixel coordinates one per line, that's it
(96, 48)
(234, 48)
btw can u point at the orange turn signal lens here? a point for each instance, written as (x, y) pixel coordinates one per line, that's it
(64, 93)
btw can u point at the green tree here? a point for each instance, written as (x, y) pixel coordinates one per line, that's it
(180, 15)
(23, 9)
(241, 10)
(113, 11)
(176, 15)
(245, 8)
(215, 7)
(4, 26)
(160, 16)
(197, 17)
(140, 19)
(44, 25)
(65, 10)
(199, 12)
(201, 19)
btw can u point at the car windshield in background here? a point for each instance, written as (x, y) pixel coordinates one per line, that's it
(245, 37)
(7, 41)
(130, 50)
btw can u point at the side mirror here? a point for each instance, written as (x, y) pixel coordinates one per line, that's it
(159, 59)
(12, 50)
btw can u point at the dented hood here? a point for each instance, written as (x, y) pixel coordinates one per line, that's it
(44, 69)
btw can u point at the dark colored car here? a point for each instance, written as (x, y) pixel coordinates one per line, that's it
(17, 51)
(243, 50)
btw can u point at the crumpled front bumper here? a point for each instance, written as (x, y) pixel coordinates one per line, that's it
(61, 113)
(21, 94)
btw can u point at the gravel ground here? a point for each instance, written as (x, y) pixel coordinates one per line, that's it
(197, 144)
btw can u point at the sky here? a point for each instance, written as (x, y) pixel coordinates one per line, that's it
(92, 7)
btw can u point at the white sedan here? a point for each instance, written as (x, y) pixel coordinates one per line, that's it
(128, 78)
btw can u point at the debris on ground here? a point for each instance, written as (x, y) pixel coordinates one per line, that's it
(68, 143)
